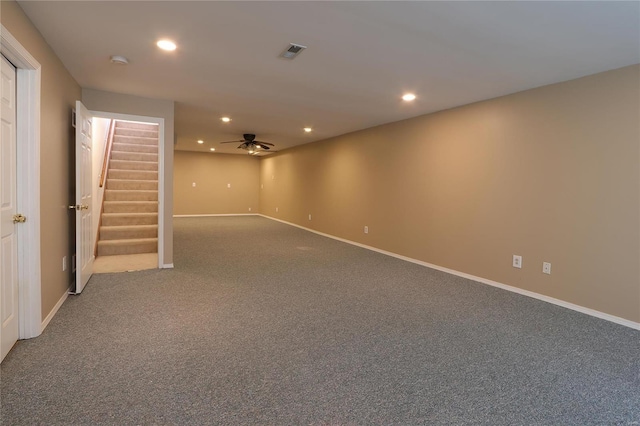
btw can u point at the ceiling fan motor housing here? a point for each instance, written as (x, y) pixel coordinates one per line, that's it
(249, 137)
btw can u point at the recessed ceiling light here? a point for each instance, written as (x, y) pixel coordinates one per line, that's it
(201, 142)
(225, 119)
(308, 129)
(408, 97)
(212, 149)
(166, 45)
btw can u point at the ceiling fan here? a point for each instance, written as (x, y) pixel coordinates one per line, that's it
(250, 144)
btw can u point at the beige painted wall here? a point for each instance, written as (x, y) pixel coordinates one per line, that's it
(211, 174)
(59, 91)
(100, 134)
(97, 100)
(551, 174)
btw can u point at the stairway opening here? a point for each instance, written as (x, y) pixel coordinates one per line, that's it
(127, 235)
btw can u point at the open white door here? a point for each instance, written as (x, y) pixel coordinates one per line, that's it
(8, 229)
(84, 197)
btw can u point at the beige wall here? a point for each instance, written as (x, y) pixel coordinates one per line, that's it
(59, 91)
(97, 100)
(551, 174)
(100, 134)
(211, 174)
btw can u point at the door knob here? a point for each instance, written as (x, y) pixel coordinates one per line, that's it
(19, 218)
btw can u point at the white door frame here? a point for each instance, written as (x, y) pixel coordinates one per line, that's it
(28, 74)
(160, 122)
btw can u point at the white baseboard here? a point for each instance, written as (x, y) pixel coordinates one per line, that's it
(167, 266)
(212, 215)
(558, 302)
(54, 311)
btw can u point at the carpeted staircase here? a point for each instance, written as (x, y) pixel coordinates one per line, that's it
(129, 221)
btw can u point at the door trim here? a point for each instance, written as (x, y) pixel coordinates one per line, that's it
(28, 75)
(161, 187)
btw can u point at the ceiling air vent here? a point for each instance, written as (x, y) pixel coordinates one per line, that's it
(292, 51)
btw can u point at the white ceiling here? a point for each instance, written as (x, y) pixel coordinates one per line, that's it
(361, 57)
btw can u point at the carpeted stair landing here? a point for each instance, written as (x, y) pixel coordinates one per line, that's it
(129, 221)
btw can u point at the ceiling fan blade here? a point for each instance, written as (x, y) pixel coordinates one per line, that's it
(261, 145)
(232, 141)
(264, 143)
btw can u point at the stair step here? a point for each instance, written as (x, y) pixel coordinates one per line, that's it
(132, 246)
(133, 174)
(129, 222)
(133, 125)
(128, 232)
(130, 195)
(133, 147)
(134, 156)
(130, 207)
(124, 219)
(132, 165)
(128, 184)
(136, 140)
(138, 133)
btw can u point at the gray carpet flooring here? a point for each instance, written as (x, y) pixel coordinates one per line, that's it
(263, 323)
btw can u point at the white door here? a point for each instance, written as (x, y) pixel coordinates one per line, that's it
(84, 197)
(8, 231)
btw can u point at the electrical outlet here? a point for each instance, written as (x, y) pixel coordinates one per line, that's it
(546, 268)
(193, 185)
(517, 261)
(262, 186)
(309, 216)
(276, 210)
(228, 185)
(64, 263)
(366, 229)
(249, 208)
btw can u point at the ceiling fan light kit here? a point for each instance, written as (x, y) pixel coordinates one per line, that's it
(251, 145)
